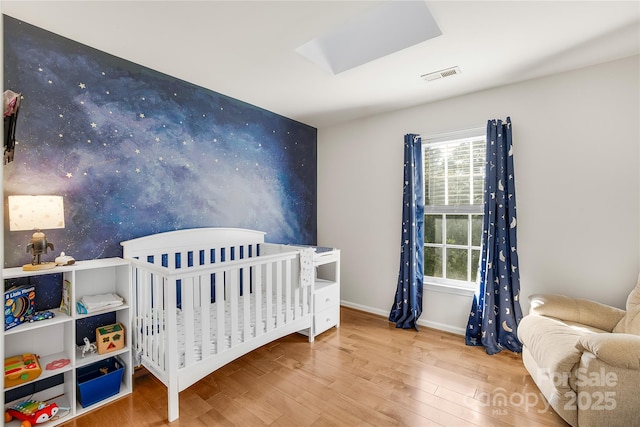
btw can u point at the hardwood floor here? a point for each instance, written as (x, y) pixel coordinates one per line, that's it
(366, 373)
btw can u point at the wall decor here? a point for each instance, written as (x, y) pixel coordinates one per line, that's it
(134, 151)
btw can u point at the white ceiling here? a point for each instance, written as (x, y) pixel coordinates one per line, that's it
(247, 50)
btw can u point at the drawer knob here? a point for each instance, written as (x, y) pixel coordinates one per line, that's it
(327, 300)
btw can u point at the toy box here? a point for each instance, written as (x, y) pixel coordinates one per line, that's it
(110, 338)
(20, 369)
(19, 305)
(99, 381)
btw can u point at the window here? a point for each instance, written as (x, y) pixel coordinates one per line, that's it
(454, 187)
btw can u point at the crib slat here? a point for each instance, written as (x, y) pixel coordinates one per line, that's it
(204, 285)
(135, 334)
(233, 290)
(246, 300)
(188, 317)
(296, 301)
(220, 316)
(287, 290)
(150, 330)
(257, 292)
(158, 326)
(268, 297)
(148, 319)
(306, 297)
(142, 304)
(278, 284)
(154, 325)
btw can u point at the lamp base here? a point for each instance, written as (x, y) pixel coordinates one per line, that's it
(37, 267)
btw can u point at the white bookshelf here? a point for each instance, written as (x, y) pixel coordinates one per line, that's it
(55, 339)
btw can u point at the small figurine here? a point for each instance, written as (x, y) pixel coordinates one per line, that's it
(88, 347)
(38, 246)
(64, 259)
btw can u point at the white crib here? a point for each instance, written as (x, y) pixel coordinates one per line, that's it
(204, 297)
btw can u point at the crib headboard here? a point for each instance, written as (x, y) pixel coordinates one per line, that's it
(179, 240)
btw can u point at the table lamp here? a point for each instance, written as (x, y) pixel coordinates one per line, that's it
(36, 213)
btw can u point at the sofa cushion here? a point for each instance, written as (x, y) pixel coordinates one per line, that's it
(630, 322)
(552, 344)
(616, 350)
(578, 310)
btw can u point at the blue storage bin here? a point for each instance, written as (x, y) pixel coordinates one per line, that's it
(95, 385)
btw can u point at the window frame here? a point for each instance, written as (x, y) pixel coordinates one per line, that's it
(454, 210)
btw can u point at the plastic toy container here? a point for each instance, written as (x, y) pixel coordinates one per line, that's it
(99, 381)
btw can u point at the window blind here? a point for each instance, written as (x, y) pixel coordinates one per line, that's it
(454, 173)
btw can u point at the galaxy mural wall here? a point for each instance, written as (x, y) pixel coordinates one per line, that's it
(135, 152)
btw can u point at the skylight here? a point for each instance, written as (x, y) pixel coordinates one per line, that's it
(385, 29)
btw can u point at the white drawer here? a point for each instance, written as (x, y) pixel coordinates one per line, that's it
(326, 319)
(327, 294)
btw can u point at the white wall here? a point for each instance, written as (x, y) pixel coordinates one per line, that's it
(577, 157)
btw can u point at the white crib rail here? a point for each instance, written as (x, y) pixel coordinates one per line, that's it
(253, 296)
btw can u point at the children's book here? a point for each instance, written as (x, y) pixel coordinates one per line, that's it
(65, 304)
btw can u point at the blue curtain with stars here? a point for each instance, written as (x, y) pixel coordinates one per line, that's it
(496, 311)
(408, 302)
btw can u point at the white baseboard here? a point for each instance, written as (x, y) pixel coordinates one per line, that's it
(365, 308)
(429, 324)
(442, 327)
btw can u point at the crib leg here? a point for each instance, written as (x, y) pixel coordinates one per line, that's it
(172, 392)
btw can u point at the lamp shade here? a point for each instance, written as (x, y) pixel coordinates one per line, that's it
(35, 212)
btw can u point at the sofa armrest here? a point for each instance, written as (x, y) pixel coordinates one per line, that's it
(618, 350)
(587, 312)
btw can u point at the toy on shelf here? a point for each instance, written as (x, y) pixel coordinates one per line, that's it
(20, 369)
(41, 315)
(57, 364)
(31, 412)
(110, 338)
(88, 346)
(64, 259)
(65, 303)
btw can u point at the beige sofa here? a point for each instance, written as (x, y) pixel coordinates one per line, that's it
(585, 358)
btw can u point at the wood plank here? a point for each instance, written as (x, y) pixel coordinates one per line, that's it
(365, 373)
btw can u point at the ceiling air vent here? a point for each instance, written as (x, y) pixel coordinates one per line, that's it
(441, 74)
